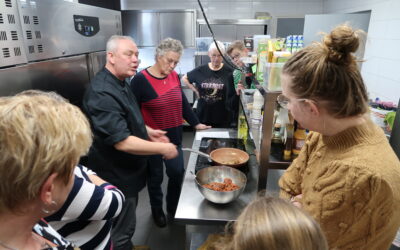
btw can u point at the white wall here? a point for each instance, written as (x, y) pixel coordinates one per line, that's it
(381, 70)
(232, 9)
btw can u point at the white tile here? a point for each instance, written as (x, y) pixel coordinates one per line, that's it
(264, 6)
(393, 29)
(377, 29)
(390, 69)
(371, 83)
(390, 49)
(369, 66)
(310, 7)
(380, 85)
(390, 9)
(286, 9)
(241, 10)
(218, 10)
(388, 90)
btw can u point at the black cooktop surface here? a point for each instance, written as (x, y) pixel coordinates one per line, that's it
(209, 144)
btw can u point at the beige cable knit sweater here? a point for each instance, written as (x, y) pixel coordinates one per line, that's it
(350, 184)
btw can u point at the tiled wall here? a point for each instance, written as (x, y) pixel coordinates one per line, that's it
(232, 9)
(381, 70)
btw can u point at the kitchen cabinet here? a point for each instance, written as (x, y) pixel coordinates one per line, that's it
(178, 25)
(228, 30)
(149, 27)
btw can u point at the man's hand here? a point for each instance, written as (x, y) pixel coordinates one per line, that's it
(157, 135)
(201, 126)
(169, 151)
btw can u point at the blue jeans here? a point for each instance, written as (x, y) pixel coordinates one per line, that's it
(175, 172)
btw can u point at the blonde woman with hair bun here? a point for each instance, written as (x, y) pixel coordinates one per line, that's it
(274, 224)
(347, 175)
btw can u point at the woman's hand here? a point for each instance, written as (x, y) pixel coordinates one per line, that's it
(239, 87)
(296, 200)
(201, 126)
(157, 135)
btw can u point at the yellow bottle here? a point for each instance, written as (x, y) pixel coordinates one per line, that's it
(299, 140)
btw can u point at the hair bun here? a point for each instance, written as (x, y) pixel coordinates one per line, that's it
(341, 42)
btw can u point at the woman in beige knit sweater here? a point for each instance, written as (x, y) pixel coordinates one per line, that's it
(346, 176)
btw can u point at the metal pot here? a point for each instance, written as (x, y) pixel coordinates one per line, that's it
(231, 157)
(218, 174)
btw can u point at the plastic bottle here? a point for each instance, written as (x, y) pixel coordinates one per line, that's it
(299, 139)
(258, 102)
(243, 129)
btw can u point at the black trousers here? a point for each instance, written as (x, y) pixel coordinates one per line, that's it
(175, 171)
(124, 226)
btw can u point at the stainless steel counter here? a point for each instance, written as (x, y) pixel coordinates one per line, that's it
(194, 209)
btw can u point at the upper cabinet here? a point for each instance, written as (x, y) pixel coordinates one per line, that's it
(149, 27)
(228, 30)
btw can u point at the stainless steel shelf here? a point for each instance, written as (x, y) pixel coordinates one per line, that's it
(262, 137)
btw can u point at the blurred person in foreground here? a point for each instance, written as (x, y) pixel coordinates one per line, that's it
(164, 106)
(41, 141)
(347, 175)
(86, 217)
(215, 90)
(122, 142)
(274, 224)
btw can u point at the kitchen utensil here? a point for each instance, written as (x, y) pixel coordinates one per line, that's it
(231, 157)
(218, 174)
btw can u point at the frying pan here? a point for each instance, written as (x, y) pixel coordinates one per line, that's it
(231, 157)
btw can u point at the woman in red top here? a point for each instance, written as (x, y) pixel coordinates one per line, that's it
(164, 106)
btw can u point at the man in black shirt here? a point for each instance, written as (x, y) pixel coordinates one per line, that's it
(121, 139)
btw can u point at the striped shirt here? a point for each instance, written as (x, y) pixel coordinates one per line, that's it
(87, 215)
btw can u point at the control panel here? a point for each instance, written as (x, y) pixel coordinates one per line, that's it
(86, 25)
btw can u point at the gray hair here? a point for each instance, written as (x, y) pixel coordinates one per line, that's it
(169, 44)
(214, 46)
(112, 42)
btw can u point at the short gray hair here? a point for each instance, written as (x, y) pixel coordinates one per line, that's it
(220, 45)
(169, 44)
(112, 42)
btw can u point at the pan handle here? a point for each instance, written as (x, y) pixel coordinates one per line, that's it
(197, 152)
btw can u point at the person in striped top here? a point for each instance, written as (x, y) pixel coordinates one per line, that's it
(87, 215)
(164, 106)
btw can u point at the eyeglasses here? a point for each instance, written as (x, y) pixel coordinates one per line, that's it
(236, 57)
(284, 101)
